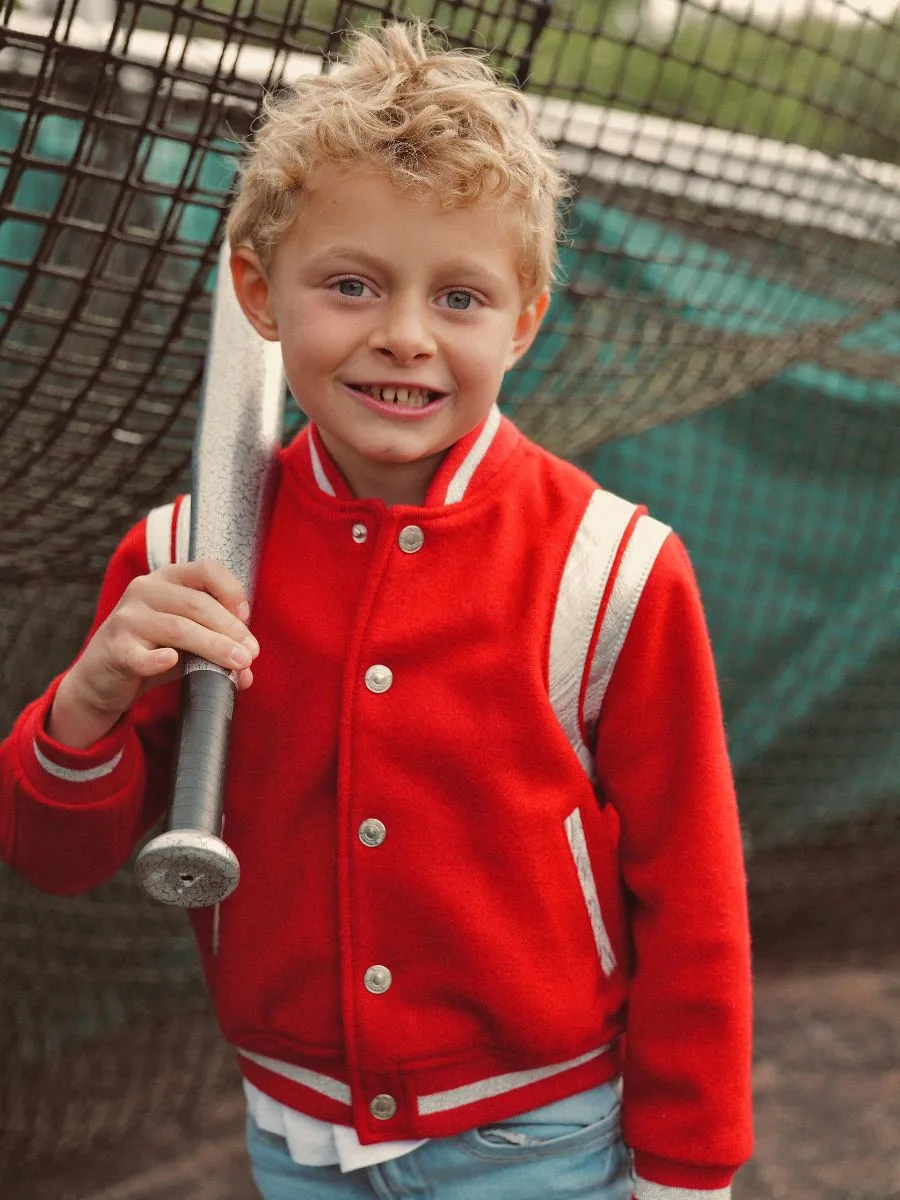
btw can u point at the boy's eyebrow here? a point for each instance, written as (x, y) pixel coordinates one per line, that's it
(459, 264)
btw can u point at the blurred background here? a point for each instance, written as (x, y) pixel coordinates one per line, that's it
(724, 348)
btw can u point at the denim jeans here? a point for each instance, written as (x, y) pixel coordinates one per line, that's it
(570, 1149)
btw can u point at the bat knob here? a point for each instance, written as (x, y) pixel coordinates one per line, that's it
(187, 868)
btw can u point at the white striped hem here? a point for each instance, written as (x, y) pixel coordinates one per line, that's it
(316, 1082)
(498, 1085)
(465, 472)
(645, 1190)
(77, 775)
(435, 1102)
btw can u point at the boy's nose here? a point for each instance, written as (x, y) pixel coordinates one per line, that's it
(403, 332)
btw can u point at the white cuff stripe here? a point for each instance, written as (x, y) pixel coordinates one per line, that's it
(645, 1190)
(72, 774)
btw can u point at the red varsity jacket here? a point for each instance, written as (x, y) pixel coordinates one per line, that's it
(482, 803)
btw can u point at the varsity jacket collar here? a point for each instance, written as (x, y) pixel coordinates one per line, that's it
(469, 465)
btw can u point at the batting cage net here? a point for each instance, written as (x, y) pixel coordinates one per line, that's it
(724, 347)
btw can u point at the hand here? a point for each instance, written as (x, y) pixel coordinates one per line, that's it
(196, 608)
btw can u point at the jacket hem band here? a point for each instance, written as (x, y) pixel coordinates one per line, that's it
(434, 1102)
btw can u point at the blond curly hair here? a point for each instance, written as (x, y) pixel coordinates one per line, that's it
(433, 119)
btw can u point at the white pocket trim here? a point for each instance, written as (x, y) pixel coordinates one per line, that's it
(582, 859)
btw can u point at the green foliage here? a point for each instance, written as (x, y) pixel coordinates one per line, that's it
(821, 83)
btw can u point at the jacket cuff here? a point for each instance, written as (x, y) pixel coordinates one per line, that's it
(66, 776)
(662, 1179)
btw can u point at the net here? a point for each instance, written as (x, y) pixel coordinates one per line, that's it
(700, 265)
(724, 347)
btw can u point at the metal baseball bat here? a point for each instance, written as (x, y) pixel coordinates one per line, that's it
(235, 447)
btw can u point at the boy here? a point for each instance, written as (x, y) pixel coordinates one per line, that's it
(479, 789)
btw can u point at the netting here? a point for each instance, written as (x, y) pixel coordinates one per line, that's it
(724, 347)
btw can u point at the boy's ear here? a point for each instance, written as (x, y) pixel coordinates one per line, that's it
(527, 326)
(251, 286)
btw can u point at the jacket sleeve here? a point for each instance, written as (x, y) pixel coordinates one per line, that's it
(69, 819)
(662, 762)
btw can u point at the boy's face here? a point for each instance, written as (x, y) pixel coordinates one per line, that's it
(397, 320)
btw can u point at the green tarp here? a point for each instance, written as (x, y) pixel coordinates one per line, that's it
(788, 496)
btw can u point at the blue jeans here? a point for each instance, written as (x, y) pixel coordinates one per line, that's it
(570, 1149)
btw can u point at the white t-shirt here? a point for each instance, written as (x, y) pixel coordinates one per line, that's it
(314, 1143)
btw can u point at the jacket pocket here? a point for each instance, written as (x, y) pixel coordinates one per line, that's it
(582, 860)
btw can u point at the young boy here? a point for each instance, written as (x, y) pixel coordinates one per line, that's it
(491, 865)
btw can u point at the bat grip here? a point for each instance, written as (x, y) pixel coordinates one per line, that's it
(189, 865)
(207, 704)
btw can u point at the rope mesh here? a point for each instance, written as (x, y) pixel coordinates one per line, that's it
(727, 334)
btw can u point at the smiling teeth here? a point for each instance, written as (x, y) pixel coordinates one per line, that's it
(404, 397)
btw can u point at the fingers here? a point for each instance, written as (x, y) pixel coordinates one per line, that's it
(206, 577)
(201, 637)
(244, 679)
(190, 608)
(161, 661)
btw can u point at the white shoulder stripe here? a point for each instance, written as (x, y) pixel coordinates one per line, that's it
(159, 537)
(77, 775)
(581, 590)
(183, 532)
(159, 534)
(645, 1190)
(637, 562)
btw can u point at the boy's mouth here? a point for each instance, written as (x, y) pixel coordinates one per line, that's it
(401, 397)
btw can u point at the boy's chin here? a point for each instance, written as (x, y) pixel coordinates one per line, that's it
(396, 454)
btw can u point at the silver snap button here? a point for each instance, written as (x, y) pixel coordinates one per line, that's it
(379, 678)
(411, 539)
(371, 832)
(383, 1107)
(359, 533)
(377, 979)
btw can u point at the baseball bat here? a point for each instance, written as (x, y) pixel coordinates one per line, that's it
(235, 446)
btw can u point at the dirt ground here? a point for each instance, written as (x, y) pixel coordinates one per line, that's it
(826, 1074)
(827, 1079)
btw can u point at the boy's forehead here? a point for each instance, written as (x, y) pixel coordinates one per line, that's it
(367, 182)
(360, 200)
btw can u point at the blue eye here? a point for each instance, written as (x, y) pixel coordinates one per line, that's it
(459, 300)
(351, 287)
